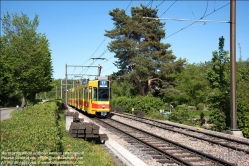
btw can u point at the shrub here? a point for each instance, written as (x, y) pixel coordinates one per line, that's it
(144, 103)
(154, 114)
(33, 129)
(200, 106)
(243, 119)
(182, 114)
(217, 119)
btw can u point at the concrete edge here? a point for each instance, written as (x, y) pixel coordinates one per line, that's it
(236, 133)
(123, 154)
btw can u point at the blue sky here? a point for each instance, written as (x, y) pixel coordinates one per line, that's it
(75, 30)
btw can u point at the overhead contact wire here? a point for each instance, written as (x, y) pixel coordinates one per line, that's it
(103, 42)
(196, 21)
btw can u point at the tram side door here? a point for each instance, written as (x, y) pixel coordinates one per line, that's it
(90, 98)
(78, 98)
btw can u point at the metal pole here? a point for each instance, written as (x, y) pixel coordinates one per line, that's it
(233, 64)
(66, 87)
(99, 72)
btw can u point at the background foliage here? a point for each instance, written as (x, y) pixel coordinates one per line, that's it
(146, 103)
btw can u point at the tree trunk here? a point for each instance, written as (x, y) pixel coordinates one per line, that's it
(149, 83)
(140, 86)
(149, 87)
(138, 82)
(24, 99)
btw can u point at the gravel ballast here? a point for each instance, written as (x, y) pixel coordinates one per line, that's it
(238, 157)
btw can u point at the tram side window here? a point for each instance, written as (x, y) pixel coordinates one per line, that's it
(82, 93)
(95, 97)
(85, 93)
(103, 94)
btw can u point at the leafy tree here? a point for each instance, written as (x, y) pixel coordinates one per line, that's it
(137, 45)
(8, 92)
(219, 98)
(27, 56)
(242, 92)
(122, 88)
(193, 83)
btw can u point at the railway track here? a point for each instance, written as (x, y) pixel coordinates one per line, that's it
(233, 144)
(164, 151)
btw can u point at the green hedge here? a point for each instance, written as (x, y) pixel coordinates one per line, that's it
(32, 129)
(146, 103)
(40, 130)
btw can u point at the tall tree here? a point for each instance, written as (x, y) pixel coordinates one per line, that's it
(193, 83)
(137, 45)
(219, 98)
(8, 92)
(28, 57)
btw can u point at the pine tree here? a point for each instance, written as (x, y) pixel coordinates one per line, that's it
(137, 44)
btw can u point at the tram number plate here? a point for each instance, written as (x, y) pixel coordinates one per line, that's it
(103, 113)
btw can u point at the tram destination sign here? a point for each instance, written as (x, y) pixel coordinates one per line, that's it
(103, 84)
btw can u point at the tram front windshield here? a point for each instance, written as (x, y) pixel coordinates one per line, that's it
(103, 94)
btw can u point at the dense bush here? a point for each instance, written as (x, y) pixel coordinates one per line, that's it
(243, 119)
(217, 119)
(243, 101)
(200, 106)
(183, 115)
(145, 103)
(156, 115)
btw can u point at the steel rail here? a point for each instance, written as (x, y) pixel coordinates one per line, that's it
(198, 137)
(204, 155)
(169, 156)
